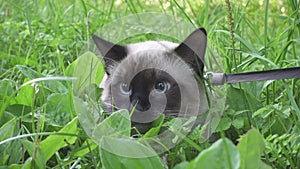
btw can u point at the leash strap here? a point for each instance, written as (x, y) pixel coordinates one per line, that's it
(222, 78)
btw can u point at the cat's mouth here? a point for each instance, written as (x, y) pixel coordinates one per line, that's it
(140, 128)
(138, 104)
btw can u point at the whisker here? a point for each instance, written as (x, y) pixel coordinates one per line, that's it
(109, 106)
(111, 60)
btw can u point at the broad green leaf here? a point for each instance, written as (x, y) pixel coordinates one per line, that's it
(264, 166)
(59, 108)
(224, 124)
(156, 127)
(28, 72)
(88, 116)
(251, 146)
(6, 94)
(240, 99)
(116, 124)
(7, 116)
(88, 70)
(238, 122)
(25, 96)
(85, 148)
(11, 148)
(6, 87)
(182, 165)
(6, 131)
(51, 83)
(29, 146)
(55, 86)
(71, 67)
(121, 153)
(38, 158)
(15, 166)
(93, 91)
(220, 155)
(255, 88)
(4, 156)
(27, 164)
(54, 142)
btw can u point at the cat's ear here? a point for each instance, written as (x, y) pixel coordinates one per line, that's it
(192, 50)
(112, 53)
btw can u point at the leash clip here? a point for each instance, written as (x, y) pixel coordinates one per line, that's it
(216, 78)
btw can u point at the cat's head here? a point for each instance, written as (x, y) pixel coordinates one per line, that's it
(150, 77)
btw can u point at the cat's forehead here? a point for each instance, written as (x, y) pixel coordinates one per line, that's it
(157, 55)
(150, 45)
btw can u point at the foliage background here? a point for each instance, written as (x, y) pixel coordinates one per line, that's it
(40, 38)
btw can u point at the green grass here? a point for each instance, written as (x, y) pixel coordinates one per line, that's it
(41, 41)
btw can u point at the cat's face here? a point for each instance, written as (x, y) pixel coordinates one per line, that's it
(150, 77)
(147, 81)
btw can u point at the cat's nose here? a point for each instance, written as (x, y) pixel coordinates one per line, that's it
(140, 104)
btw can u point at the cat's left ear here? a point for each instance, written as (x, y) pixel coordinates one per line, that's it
(112, 53)
(192, 50)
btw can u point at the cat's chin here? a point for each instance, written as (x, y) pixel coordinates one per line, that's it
(140, 128)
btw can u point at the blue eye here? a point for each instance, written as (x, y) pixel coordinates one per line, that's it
(125, 89)
(161, 87)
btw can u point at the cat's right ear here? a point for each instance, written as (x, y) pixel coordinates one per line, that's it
(112, 53)
(192, 50)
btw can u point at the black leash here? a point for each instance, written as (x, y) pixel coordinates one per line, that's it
(276, 74)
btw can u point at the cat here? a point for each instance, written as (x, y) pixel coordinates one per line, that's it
(152, 77)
